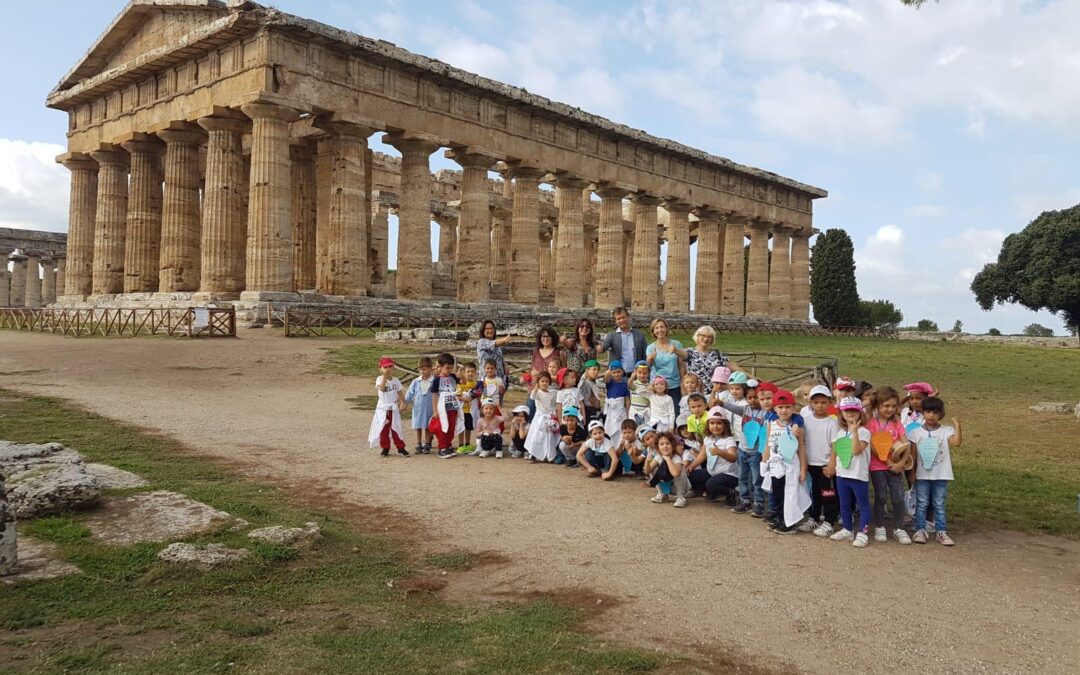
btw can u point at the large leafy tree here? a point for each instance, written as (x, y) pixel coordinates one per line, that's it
(1038, 267)
(879, 314)
(832, 280)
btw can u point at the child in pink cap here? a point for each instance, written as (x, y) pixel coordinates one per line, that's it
(911, 414)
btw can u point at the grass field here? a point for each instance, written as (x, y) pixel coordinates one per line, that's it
(1017, 469)
(356, 602)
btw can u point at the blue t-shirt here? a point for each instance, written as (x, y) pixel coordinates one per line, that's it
(796, 419)
(666, 364)
(617, 389)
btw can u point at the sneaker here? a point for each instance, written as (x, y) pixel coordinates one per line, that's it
(426, 449)
(386, 452)
(419, 449)
(783, 529)
(660, 498)
(498, 454)
(691, 494)
(824, 529)
(901, 536)
(861, 540)
(516, 454)
(559, 460)
(465, 449)
(571, 464)
(808, 525)
(446, 453)
(482, 453)
(919, 537)
(758, 512)
(880, 535)
(741, 507)
(842, 535)
(403, 452)
(680, 502)
(944, 539)
(770, 514)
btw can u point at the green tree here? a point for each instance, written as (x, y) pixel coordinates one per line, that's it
(1038, 330)
(994, 331)
(1038, 267)
(926, 326)
(879, 314)
(832, 280)
(958, 327)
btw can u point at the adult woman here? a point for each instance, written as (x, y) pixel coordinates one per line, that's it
(702, 359)
(581, 347)
(488, 348)
(547, 351)
(666, 358)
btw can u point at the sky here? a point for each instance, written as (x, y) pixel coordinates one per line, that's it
(937, 132)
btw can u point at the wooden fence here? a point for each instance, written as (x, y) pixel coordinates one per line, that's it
(191, 322)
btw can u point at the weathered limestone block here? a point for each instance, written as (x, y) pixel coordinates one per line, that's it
(9, 554)
(299, 537)
(206, 557)
(111, 478)
(50, 489)
(153, 516)
(39, 560)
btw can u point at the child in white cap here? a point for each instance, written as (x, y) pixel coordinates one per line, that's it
(820, 428)
(598, 455)
(519, 431)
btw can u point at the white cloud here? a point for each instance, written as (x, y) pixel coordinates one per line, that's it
(33, 187)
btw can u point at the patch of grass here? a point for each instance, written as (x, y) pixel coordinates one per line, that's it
(362, 356)
(363, 402)
(331, 607)
(456, 561)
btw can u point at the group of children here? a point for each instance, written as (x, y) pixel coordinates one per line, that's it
(744, 442)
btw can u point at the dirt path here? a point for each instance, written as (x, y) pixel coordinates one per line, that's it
(998, 603)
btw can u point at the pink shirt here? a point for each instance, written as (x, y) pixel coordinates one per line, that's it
(895, 429)
(492, 427)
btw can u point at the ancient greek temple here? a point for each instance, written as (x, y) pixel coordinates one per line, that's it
(219, 151)
(38, 267)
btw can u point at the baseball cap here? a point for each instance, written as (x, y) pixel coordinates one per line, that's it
(615, 365)
(386, 362)
(923, 387)
(738, 377)
(594, 424)
(783, 397)
(850, 403)
(571, 411)
(716, 413)
(820, 390)
(520, 409)
(643, 430)
(768, 386)
(590, 363)
(844, 383)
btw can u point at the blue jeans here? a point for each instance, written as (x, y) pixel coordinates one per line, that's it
(929, 492)
(858, 491)
(601, 461)
(750, 477)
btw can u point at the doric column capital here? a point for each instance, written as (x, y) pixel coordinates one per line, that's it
(608, 192)
(681, 208)
(346, 129)
(110, 155)
(413, 141)
(234, 124)
(523, 169)
(270, 111)
(77, 161)
(568, 182)
(643, 199)
(472, 157)
(142, 144)
(18, 258)
(190, 136)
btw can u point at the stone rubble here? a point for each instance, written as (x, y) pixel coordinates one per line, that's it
(153, 516)
(287, 536)
(111, 478)
(39, 560)
(44, 479)
(205, 557)
(1046, 407)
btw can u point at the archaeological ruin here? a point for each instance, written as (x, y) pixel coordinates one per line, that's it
(38, 267)
(219, 152)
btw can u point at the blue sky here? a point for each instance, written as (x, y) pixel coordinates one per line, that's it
(937, 132)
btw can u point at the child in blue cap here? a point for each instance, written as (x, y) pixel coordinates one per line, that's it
(617, 401)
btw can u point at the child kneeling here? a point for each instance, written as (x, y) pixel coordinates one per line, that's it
(598, 455)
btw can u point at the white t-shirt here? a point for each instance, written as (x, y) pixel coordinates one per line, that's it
(907, 416)
(602, 448)
(569, 397)
(859, 468)
(388, 398)
(715, 464)
(942, 469)
(818, 438)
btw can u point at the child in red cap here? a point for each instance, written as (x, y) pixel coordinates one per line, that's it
(386, 422)
(784, 476)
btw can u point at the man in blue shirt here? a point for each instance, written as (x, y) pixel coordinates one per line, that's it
(625, 342)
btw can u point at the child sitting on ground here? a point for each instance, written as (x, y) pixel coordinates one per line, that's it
(571, 436)
(640, 393)
(519, 431)
(626, 447)
(489, 429)
(616, 401)
(933, 468)
(661, 406)
(386, 421)
(419, 397)
(645, 448)
(719, 460)
(597, 455)
(667, 465)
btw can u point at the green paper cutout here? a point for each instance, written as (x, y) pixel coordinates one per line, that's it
(844, 449)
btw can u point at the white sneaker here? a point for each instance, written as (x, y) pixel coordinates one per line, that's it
(901, 536)
(483, 453)
(660, 498)
(808, 525)
(680, 502)
(823, 530)
(861, 540)
(842, 535)
(498, 454)
(691, 494)
(514, 454)
(880, 534)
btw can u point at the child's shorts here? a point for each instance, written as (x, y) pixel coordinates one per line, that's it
(491, 442)
(468, 421)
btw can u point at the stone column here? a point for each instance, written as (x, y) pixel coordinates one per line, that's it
(269, 230)
(414, 214)
(731, 294)
(110, 222)
(33, 281)
(302, 172)
(569, 246)
(757, 270)
(48, 281)
(224, 233)
(379, 258)
(82, 211)
(181, 218)
(709, 246)
(447, 238)
(780, 274)
(349, 213)
(474, 226)
(526, 247)
(143, 241)
(590, 235)
(677, 284)
(547, 267)
(5, 279)
(800, 274)
(502, 251)
(18, 280)
(611, 248)
(646, 291)
(61, 269)
(628, 260)
(324, 157)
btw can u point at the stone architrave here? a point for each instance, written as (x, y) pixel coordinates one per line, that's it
(677, 284)
(610, 263)
(61, 269)
(569, 247)
(780, 274)
(269, 231)
(709, 246)
(800, 274)
(474, 225)
(413, 279)
(181, 217)
(526, 247)
(731, 294)
(82, 210)
(646, 290)
(110, 222)
(224, 233)
(48, 281)
(304, 210)
(142, 249)
(33, 281)
(349, 214)
(18, 280)
(757, 270)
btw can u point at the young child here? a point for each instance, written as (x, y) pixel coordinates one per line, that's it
(492, 387)
(720, 459)
(542, 443)
(691, 384)
(667, 465)
(820, 428)
(466, 392)
(691, 453)
(697, 416)
(592, 391)
(661, 408)
(446, 422)
(853, 480)
(419, 397)
(489, 429)
(933, 469)
(743, 409)
(721, 394)
(640, 393)
(571, 436)
(627, 446)
(386, 422)
(519, 431)
(598, 455)
(645, 448)
(568, 396)
(911, 414)
(885, 431)
(616, 402)
(867, 395)
(784, 477)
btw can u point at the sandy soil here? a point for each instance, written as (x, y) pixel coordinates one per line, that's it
(700, 581)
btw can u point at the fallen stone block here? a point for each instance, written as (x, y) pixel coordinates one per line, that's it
(111, 478)
(153, 516)
(287, 536)
(50, 488)
(205, 557)
(16, 457)
(39, 560)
